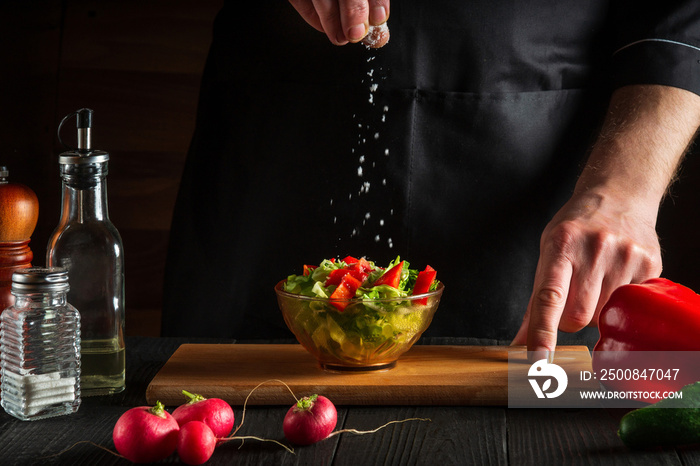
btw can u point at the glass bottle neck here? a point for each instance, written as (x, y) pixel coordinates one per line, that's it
(84, 193)
(85, 204)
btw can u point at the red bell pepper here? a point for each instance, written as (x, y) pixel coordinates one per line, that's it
(344, 292)
(658, 317)
(424, 279)
(358, 268)
(336, 276)
(361, 265)
(391, 277)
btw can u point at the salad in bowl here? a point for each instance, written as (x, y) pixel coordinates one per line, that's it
(354, 315)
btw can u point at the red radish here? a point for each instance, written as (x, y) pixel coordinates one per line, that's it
(195, 443)
(310, 420)
(146, 434)
(214, 412)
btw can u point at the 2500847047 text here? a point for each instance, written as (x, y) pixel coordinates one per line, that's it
(630, 374)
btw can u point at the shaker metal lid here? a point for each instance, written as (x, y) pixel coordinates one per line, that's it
(40, 279)
(79, 158)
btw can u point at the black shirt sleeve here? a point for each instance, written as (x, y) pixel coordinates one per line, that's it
(657, 42)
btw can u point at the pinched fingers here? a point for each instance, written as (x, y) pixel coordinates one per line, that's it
(378, 12)
(343, 21)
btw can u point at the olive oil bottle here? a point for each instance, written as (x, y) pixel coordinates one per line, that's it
(87, 244)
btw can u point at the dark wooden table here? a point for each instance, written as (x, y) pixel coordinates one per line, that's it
(454, 435)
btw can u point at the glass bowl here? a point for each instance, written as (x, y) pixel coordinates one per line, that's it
(366, 335)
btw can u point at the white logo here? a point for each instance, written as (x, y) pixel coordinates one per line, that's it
(542, 368)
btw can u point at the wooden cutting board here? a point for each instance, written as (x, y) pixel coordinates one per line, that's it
(425, 375)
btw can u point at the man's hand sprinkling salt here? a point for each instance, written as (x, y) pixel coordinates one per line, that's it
(348, 21)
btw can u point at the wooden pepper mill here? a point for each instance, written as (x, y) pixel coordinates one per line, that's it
(19, 212)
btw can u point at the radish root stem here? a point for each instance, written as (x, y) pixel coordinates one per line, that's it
(245, 403)
(243, 438)
(362, 432)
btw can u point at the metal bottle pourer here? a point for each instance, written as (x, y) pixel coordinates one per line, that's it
(84, 153)
(84, 129)
(84, 125)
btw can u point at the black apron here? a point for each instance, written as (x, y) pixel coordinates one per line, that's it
(452, 146)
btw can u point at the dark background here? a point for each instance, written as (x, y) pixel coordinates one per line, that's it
(138, 64)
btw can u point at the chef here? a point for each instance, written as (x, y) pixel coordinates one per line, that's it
(522, 149)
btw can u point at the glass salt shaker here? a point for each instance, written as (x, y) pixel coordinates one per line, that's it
(40, 347)
(87, 244)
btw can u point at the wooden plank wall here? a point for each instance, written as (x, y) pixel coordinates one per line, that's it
(138, 64)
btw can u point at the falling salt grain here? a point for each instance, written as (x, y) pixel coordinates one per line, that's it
(376, 239)
(386, 152)
(362, 159)
(367, 216)
(386, 108)
(381, 222)
(390, 243)
(370, 73)
(359, 171)
(373, 87)
(376, 135)
(383, 181)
